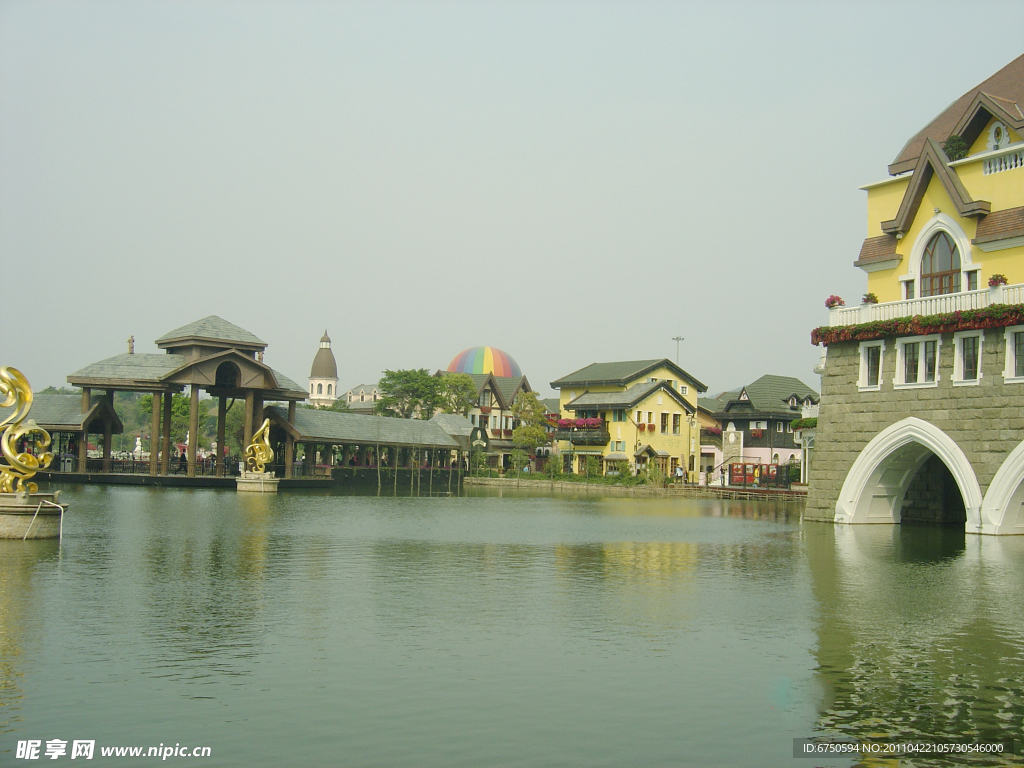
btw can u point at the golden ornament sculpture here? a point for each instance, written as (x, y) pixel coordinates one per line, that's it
(259, 453)
(15, 390)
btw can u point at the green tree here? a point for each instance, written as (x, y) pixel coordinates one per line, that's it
(234, 426)
(593, 467)
(408, 393)
(530, 431)
(339, 406)
(456, 393)
(955, 148)
(179, 415)
(554, 467)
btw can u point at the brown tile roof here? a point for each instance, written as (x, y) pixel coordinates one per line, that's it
(1003, 92)
(877, 249)
(1000, 225)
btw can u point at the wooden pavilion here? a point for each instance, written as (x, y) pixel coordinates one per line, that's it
(210, 354)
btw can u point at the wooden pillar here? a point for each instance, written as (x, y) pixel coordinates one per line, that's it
(83, 446)
(108, 433)
(247, 422)
(222, 417)
(289, 454)
(154, 436)
(193, 428)
(166, 460)
(257, 412)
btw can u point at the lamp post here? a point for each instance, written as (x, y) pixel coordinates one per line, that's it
(677, 339)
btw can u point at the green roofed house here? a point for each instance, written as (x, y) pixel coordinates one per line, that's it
(629, 415)
(754, 422)
(210, 354)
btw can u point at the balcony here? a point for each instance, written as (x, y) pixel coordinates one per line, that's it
(584, 436)
(929, 305)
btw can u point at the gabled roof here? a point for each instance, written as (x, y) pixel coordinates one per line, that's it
(63, 413)
(1000, 96)
(769, 394)
(153, 371)
(620, 374)
(625, 399)
(550, 404)
(510, 386)
(336, 428)
(211, 328)
(715, 404)
(455, 426)
(933, 162)
(364, 388)
(142, 369)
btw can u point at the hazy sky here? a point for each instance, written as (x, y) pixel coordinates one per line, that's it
(572, 182)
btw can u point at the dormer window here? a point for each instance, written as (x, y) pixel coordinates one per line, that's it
(940, 266)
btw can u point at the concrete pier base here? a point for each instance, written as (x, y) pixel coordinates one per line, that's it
(256, 482)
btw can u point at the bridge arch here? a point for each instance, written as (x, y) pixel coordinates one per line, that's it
(1002, 511)
(876, 485)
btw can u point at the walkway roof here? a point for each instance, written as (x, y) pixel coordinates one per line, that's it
(336, 428)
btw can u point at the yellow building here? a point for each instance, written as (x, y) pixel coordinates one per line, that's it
(923, 383)
(629, 414)
(945, 224)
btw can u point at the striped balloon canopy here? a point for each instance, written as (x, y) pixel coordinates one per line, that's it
(484, 360)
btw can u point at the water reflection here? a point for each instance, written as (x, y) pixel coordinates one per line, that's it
(920, 634)
(20, 632)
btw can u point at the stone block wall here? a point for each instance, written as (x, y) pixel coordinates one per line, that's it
(986, 421)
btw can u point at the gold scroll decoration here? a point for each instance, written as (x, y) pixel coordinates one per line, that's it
(21, 465)
(259, 453)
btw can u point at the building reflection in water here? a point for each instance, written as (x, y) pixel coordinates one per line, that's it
(921, 632)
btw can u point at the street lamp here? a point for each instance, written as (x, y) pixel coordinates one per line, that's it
(677, 339)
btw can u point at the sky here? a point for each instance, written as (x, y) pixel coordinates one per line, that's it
(571, 182)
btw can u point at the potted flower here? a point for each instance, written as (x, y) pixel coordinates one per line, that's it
(641, 426)
(997, 280)
(869, 298)
(834, 301)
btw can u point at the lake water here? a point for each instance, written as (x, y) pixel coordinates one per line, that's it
(312, 630)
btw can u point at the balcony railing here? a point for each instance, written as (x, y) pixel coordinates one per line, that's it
(582, 436)
(928, 305)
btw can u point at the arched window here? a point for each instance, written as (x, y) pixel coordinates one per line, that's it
(940, 266)
(319, 389)
(328, 389)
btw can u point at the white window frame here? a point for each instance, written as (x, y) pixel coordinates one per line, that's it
(862, 381)
(958, 373)
(1009, 367)
(683, 389)
(898, 382)
(778, 427)
(940, 222)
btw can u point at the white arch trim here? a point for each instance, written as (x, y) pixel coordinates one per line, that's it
(1002, 512)
(878, 480)
(940, 222)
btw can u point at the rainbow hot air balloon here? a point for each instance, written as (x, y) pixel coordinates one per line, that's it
(485, 360)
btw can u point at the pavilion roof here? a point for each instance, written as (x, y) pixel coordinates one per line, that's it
(63, 413)
(146, 368)
(212, 328)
